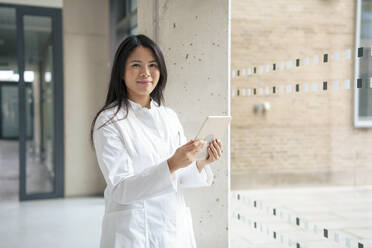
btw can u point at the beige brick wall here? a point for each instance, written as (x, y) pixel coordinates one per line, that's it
(307, 138)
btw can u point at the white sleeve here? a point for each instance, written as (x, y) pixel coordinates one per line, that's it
(190, 177)
(117, 168)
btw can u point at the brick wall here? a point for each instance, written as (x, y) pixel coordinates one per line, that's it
(306, 138)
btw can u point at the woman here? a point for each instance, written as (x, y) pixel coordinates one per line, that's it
(142, 152)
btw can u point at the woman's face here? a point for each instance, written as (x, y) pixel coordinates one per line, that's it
(141, 73)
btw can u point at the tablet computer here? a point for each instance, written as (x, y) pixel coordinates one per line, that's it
(214, 127)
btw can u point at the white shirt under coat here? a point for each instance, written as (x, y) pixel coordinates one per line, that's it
(145, 207)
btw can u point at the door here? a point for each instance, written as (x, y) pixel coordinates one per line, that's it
(39, 52)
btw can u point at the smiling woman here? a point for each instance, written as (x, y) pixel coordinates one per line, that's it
(144, 155)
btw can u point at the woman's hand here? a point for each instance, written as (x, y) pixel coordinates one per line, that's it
(185, 154)
(214, 153)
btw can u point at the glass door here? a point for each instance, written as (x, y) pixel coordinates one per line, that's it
(9, 145)
(40, 98)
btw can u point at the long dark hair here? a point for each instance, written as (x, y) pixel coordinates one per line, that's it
(117, 95)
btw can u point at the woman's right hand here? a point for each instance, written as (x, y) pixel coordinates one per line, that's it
(185, 154)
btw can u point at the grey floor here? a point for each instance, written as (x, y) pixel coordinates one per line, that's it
(73, 222)
(9, 170)
(39, 178)
(300, 220)
(51, 223)
(306, 218)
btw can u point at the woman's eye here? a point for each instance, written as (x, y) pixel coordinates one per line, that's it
(135, 65)
(154, 65)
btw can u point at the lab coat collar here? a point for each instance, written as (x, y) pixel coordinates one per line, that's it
(138, 107)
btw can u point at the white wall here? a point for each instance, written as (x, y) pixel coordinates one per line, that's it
(194, 37)
(41, 3)
(86, 74)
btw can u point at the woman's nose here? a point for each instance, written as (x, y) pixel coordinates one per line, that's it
(146, 71)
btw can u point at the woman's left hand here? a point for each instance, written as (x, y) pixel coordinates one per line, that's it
(214, 153)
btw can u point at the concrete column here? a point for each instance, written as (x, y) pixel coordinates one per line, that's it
(86, 76)
(195, 39)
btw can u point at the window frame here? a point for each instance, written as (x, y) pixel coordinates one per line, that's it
(124, 23)
(359, 122)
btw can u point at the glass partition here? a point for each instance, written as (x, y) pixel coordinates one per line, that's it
(363, 65)
(39, 103)
(9, 104)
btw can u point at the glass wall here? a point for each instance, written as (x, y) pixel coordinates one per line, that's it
(39, 102)
(123, 21)
(31, 110)
(364, 65)
(8, 74)
(9, 104)
(297, 70)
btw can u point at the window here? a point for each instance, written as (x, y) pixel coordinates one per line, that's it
(123, 21)
(363, 65)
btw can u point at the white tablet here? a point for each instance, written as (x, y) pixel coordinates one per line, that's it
(214, 127)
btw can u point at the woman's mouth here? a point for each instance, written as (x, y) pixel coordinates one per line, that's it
(144, 82)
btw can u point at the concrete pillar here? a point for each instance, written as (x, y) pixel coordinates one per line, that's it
(195, 39)
(86, 75)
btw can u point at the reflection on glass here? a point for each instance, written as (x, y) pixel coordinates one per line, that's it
(39, 104)
(365, 62)
(134, 31)
(133, 5)
(9, 145)
(9, 111)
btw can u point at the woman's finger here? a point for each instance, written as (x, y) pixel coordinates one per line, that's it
(190, 146)
(211, 155)
(187, 146)
(215, 154)
(218, 149)
(220, 145)
(196, 148)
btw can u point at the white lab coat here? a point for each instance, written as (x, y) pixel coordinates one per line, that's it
(144, 203)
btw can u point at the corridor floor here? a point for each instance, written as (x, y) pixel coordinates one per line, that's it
(278, 218)
(38, 179)
(59, 223)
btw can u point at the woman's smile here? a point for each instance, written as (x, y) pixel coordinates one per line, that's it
(144, 82)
